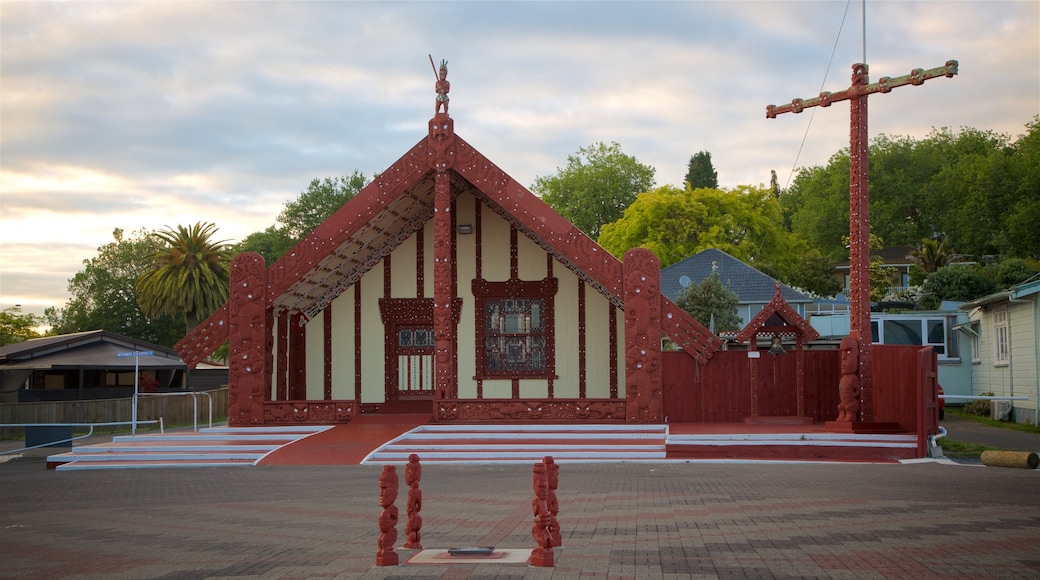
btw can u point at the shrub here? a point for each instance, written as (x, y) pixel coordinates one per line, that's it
(979, 407)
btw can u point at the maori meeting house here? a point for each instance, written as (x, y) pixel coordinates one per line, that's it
(445, 287)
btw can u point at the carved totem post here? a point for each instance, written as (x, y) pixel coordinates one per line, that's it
(385, 555)
(247, 339)
(412, 475)
(441, 142)
(542, 555)
(643, 391)
(552, 475)
(859, 215)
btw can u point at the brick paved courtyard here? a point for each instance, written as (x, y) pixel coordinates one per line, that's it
(620, 520)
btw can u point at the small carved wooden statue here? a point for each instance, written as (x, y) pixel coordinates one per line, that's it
(412, 475)
(543, 554)
(552, 474)
(386, 556)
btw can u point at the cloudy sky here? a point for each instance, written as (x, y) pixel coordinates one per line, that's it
(153, 114)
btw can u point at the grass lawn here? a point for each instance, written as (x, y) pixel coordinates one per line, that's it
(954, 448)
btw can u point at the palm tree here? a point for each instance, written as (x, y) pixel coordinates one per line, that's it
(190, 277)
(932, 255)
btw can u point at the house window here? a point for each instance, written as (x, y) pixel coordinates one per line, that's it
(976, 347)
(931, 332)
(1001, 338)
(515, 334)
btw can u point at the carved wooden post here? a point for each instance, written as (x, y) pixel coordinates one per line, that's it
(542, 555)
(859, 213)
(412, 475)
(385, 555)
(642, 289)
(247, 339)
(552, 474)
(441, 143)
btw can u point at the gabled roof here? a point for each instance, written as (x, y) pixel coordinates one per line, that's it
(97, 349)
(750, 285)
(398, 203)
(778, 317)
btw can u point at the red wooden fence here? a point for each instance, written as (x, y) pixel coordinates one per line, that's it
(721, 390)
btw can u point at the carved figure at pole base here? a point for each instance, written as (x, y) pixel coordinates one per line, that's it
(386, 556)
(848, 386)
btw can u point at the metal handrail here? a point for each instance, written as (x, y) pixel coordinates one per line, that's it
(71, 439)
(195, 402)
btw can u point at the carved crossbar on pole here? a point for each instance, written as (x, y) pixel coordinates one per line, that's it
(859, 214)
(884, 85)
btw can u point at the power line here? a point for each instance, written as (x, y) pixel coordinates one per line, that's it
(824, 82)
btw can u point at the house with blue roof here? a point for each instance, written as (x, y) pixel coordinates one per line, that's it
(753, 288)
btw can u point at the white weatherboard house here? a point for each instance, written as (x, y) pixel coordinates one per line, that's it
(1004, 334)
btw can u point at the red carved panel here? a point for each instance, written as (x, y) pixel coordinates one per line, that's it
(282, 340)
(582, 362)
(327, 352)
(308, 412)
(270, 327)
(531, 410)
(612, 316)
(204, 338)
(443, 328)
(643, 337)
(357, 340)
(247, 317)
(297, 357)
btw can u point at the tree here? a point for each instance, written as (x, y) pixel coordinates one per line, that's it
(955, 282)
(711, 303)
(931, 255)
(321, 199)
(975, 189)
(300, 216)
(18, 327)
(271, 243)
(674, 223)
(816, 206)
(701, 173)
(190, 275)
(1010, 272)
(813, 273)
(1024, 165)
(596, 187)
(104, 294)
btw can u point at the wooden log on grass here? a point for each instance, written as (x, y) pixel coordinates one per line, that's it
(1021, 459)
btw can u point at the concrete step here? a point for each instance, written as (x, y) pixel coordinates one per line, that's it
(525, 443)
(218, 446)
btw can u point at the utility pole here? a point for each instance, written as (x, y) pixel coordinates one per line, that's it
(859, 215)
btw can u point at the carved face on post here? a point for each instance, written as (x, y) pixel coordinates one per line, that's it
(387, 486)
(849, 355)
